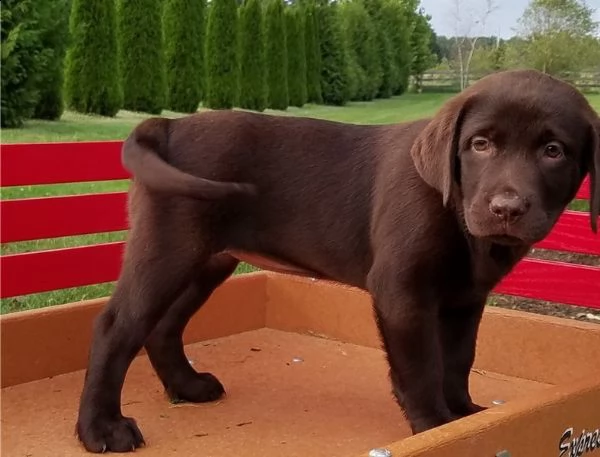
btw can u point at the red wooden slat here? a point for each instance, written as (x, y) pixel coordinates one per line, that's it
(584, 191)
(572, 233)
(81, 161)
(38, 218)
(54, 163)
(42, 271)
(554, 281)
(30, 164)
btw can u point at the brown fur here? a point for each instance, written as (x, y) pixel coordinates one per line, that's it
(419, 214)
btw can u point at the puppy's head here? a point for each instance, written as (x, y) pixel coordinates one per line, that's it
(511, 151)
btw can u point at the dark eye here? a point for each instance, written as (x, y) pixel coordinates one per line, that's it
(553, 150)
(480, 144)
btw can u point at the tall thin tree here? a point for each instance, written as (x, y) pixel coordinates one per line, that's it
(183, 22)
(92, 82)
(221, 54)
(252, 82)
(313, 53)
(276, 45)
(54, 38)
(296, 47)
(334, 66)
(141, 55)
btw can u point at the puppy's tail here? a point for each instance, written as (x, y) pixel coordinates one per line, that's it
(143, 156)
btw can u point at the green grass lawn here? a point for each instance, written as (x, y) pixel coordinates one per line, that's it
(76, 127)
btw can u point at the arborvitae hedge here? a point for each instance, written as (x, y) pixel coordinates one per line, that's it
(354, 74)
(422, 57)
(54, 39)
(399, 29)
(404, 58)
(252, 75)
(390, 72)
(92, 82)
(296, 52)
(23, 61)
(362, 48)
(334, 67)
(141, 55)
(313, 53)
(276, 49)
(183, 23)
(221, 55)
(384, 53)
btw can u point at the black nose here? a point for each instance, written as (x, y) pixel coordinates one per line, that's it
(509, 207)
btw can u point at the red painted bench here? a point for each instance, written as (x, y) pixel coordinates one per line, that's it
(50, 217)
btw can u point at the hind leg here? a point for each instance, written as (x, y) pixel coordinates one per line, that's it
(165, 344)
(160, 261)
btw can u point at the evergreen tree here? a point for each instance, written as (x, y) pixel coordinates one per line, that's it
(295, 29)
(390, 71)
(362, 47)
(313, 54)
(252, 82)
(384, 53)
(354, 74)
(92, 82)
(422, 56)
(183, 22)
(221, 55)
(276, 48)
(26, 57)
(334, 66)
(399, 29)
(54, 39)
(141, 55)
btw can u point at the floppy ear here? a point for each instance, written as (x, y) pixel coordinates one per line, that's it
(435, 149)
(594, 170)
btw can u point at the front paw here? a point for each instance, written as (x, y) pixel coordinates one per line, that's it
(120, 434)
(423, 424)
(466, 408)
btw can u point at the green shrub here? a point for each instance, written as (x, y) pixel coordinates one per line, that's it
(313, 54)
(252, 81)
(389, 70)
(384, 52)
(54, 39)
(23, 60)
(92, 83)
(141, 55)
(183, 24)
(422, 56)
(362, 51)
(354, 76)
(334, 67)
(399, 29)
(296, 52)
(221, 55)
(276, 49)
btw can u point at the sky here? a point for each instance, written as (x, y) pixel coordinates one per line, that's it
(501, 22)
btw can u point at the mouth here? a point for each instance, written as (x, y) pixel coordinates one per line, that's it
(496, 235)
(505, 240)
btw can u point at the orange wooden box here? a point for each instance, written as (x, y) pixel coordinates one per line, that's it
(305, 376)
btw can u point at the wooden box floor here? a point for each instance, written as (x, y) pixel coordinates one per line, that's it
(336, 401)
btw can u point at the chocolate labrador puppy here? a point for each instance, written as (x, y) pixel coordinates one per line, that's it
(426, 216)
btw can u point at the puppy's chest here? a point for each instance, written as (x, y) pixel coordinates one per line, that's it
(492, 262)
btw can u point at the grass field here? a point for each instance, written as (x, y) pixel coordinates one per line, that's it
(75, 127)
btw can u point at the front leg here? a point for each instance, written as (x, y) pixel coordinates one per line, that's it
(407, 320)
(459, 326)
